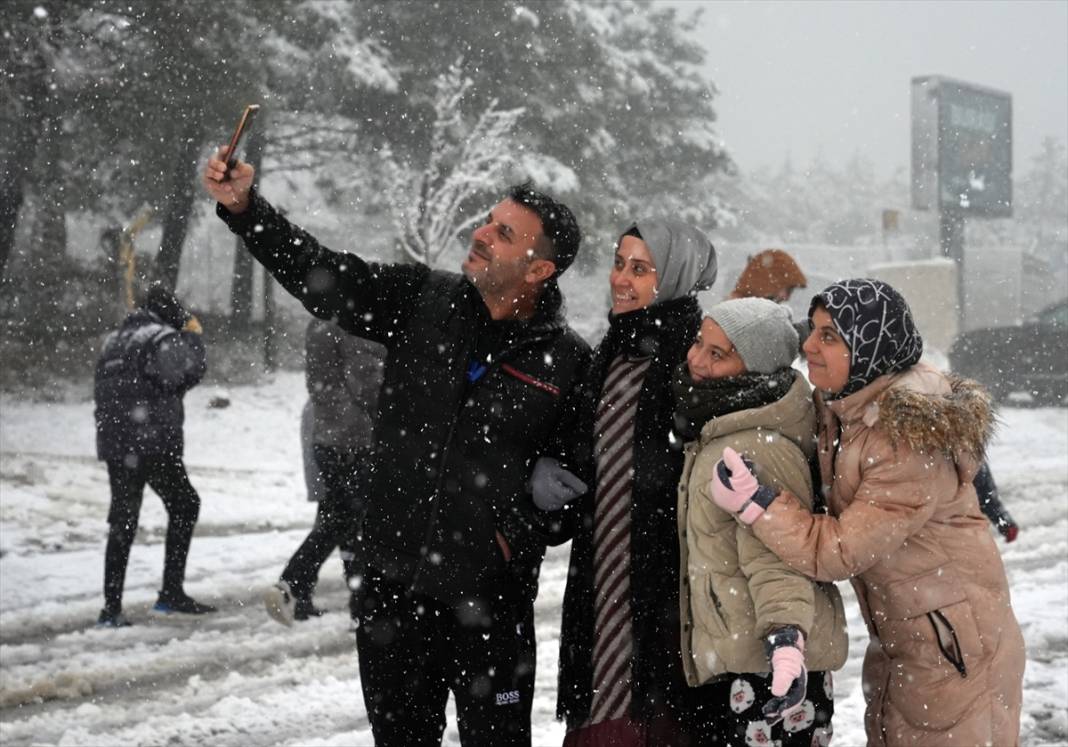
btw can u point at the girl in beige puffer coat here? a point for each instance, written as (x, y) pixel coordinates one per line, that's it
(737, 390)
(899, 445)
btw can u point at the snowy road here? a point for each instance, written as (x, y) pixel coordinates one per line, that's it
(237, 678)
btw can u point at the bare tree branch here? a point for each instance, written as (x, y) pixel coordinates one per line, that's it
(462, 162)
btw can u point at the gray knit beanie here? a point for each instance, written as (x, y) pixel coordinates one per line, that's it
(760, 330)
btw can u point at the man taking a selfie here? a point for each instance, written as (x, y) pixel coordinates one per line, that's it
(479, 382)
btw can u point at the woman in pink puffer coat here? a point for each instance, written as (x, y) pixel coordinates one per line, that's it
(900, 443)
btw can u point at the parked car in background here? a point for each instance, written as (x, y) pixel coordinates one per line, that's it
(1030, 358)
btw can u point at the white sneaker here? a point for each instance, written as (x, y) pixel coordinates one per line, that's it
(280, 603)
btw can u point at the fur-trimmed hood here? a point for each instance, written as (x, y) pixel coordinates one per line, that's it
(925, 410)
(962, 420)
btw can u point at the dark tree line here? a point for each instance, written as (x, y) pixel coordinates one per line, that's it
(110, 105)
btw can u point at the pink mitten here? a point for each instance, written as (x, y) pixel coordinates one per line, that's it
(735, 488)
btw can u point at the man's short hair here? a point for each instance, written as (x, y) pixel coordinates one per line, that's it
(557, 222)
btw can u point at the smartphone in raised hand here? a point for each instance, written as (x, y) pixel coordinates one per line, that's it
(235, 140)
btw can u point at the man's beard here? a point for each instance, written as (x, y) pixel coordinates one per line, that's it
(477, 276)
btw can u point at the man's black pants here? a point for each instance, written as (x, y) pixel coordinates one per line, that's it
(414, 649)
(336, 519)
(166, 475)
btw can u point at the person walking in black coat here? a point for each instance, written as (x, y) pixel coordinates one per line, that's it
(144, 370)
(621, 680)
(991, 506)
(343, 374)
(479, 382)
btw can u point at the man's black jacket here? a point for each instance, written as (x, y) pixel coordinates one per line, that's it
(145, 368)
(452, 454)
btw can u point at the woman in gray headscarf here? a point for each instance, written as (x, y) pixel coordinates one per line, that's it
(621, 680)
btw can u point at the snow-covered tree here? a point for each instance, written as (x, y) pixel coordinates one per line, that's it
(618, 119)
(1041, 200)
(822, 202)
(47, 51)
(429, 199)
(114, 103)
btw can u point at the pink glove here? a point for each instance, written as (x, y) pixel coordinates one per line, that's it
(789, 678)
(735, 488)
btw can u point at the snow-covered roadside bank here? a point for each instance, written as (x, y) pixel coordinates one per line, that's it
(236, 678)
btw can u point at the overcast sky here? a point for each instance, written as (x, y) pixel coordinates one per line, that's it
(797, 78)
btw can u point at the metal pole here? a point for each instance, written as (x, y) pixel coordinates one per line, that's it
(951, 240)
(269, 358)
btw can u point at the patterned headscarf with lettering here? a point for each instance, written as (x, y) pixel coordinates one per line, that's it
(876, 323)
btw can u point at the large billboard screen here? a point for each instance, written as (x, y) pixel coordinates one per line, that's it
(961, 148)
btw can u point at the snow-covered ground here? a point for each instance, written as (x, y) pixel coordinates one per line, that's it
(237, 678)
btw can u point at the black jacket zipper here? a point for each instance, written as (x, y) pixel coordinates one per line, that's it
(442, 463)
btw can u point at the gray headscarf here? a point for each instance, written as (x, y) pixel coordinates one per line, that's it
(684, 257)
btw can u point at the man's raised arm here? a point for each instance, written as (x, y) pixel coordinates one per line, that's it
(369, 300)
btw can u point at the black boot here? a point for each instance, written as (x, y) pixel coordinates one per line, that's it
(112, 619)
(181, 602)
(305, 609)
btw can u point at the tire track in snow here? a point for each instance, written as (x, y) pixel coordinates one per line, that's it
(103, 666)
